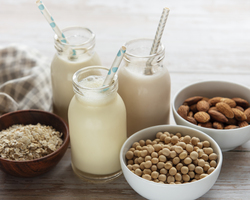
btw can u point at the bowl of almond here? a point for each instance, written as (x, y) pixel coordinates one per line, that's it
(221, 109)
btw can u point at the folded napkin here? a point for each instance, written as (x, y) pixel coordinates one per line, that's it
(24, 80)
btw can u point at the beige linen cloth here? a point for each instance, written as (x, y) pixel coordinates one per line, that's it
(24, 80)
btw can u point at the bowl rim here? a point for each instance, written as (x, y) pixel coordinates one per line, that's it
(218, 167)
(202, 82)
(44, 157)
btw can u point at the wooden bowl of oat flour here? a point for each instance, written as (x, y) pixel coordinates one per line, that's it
(34, 145)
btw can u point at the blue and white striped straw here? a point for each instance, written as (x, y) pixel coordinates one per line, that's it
(52, 23)
(114, 67)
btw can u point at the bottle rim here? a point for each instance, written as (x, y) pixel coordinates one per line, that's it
(89, 40)
(160, 51)
(99, 89)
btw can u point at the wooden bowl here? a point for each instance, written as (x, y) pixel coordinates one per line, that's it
(37, 166)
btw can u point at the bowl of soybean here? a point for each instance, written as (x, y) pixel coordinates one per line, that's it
(157, 183)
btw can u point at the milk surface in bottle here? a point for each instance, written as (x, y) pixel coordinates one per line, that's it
(97, 123)
(76, 54)
(146, 97)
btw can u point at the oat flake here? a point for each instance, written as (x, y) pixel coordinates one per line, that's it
(28, 142)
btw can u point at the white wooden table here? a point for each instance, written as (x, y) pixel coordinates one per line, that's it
(204, 40)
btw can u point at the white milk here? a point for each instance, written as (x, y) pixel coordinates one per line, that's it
(146, 97)
(82, 40)
(97, 123)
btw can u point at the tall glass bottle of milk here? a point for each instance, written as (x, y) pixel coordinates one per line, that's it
(146, 96)
(97, 124)
(77, 53)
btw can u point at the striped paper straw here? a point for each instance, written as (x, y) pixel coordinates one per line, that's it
(51, 21)
(157, 39)
(114, 66)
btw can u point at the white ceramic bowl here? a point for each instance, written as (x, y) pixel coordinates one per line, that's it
(157, 191)
(227, 139)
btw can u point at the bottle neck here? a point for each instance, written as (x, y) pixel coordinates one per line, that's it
(137, 57)
(80, 43)
(87, 85)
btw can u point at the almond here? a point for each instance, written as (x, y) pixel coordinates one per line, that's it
(203, 106)
(225, 109)
(247, 113)
(183, 111)
(191, 120)
(190, 114)
(214, 101)
(217, 112)
(232, 121)
(192, 100)
(241, 102)
(231, 127)
(194, 108)
(218, 125)
(205, 99)
(206, 125)
(213, 108)
(240, 108)
(239, 115)
(218, 116)
(202, 117)
(242, 124)
(228, 101)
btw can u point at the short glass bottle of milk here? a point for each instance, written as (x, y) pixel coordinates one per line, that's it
(77, 53)
(97, 124)
(146, 97)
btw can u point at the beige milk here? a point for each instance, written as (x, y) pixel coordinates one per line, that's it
(97, 123)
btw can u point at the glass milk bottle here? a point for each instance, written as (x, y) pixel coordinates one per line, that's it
(146, 97)
(77, 53)
(97, 124)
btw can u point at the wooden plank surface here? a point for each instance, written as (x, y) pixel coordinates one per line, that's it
(204, 40)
